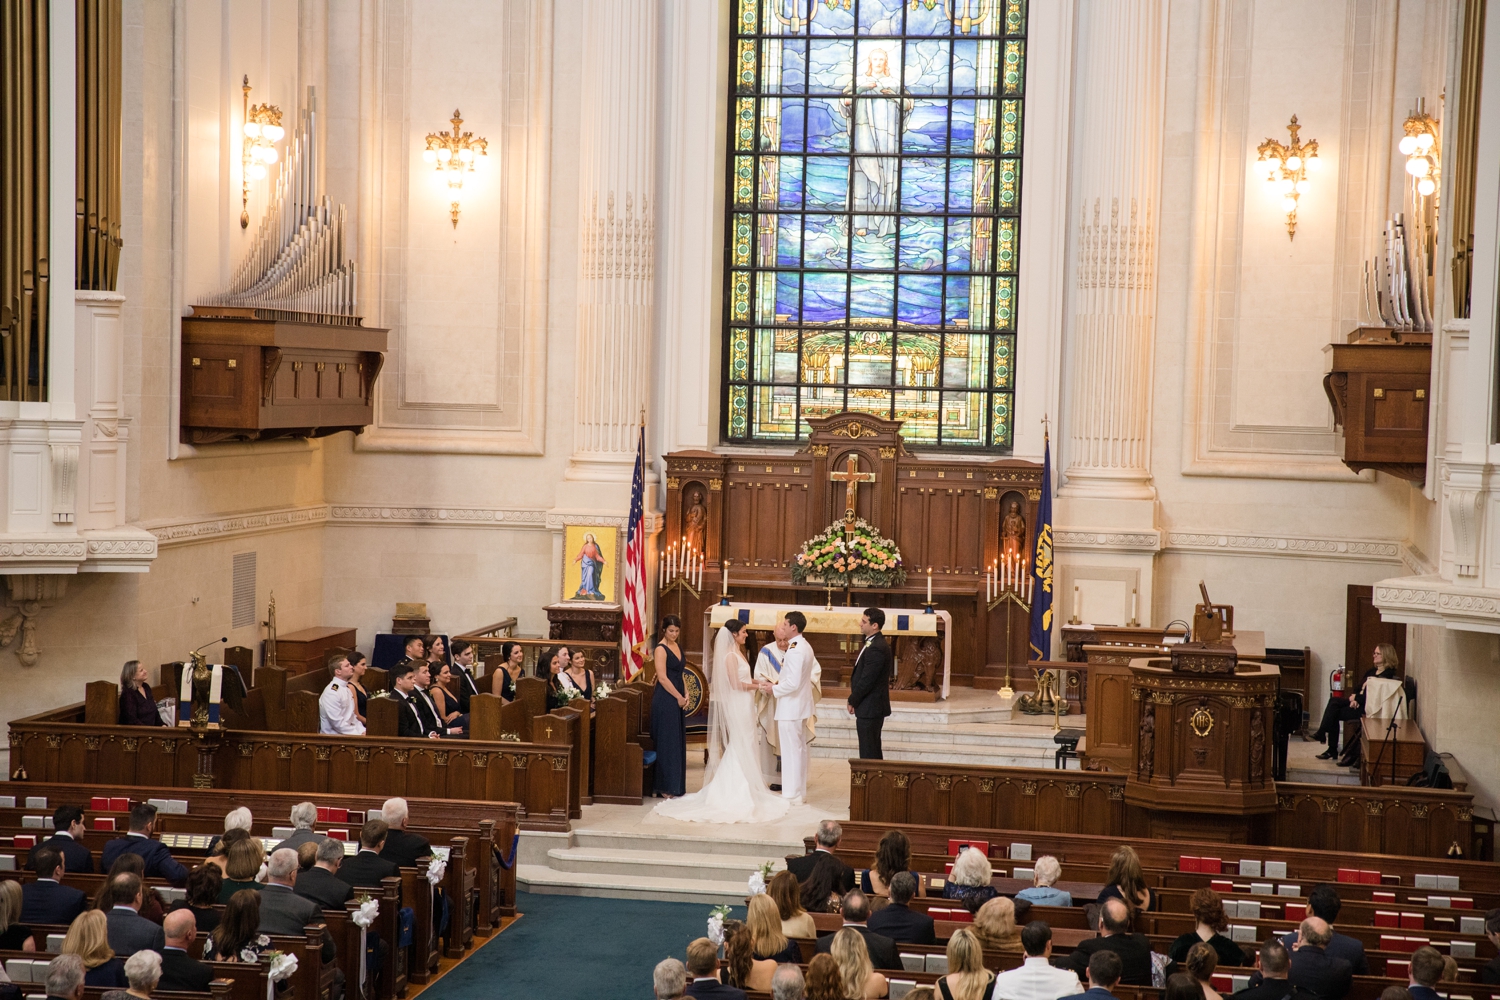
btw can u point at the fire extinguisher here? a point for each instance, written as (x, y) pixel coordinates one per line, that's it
(1336, 681)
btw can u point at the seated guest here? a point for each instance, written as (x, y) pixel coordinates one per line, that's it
(282, 911)
(787, 984)
(307, 856)
(1425, 972)
(856, 910)
(967, 978)
(321, 883)
(129, 932)
(1114, 929)
(892, 856)
(1126, 881)
(358, 664)
(400, 846)
(443, 692)
(1045, 872)
(860, 979)
(219, 856)
(1186, 986)
(512, 658)
(796, 922)
(180, 971)
(153, 906)
(157, 856)
(137, 706)
(577, 675)
(238, 937)
(1313, 969)
(14, 935)
(245, 858)
(741, 968)
(303, 816)
(46, 900)
(1384, 663)
(1200, 963)
(65, 978)
(365, 869)
(88, 938)
(767, 942)
(995, 925)
(1491, 971)
(703, 973)
(669, 979)
(464, 684)
(969, 881)
(67, 841)
(203, 885)
(415, 652)
(824, 980)
(1395, 993)
(1324, 903)
(828, 835)
(412, 721)
(820, 893)
(234, 819)
(1104, 974)
(1208, 911)
(557, 660)
(143, 973)
(1273, 962)
(899, 921)
(437, 651)
(1035, 978)
(338, 709)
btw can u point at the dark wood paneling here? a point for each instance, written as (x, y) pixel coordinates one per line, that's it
(1363, 631)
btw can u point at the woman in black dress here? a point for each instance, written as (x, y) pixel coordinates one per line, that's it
(357, 682)
(137, 707)
(512, 655)
(668, 723)
(555, 666)
(577, 675)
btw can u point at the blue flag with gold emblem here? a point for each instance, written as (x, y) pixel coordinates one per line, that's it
(1041, 564)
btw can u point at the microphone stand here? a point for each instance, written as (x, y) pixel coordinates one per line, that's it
(1390, 739)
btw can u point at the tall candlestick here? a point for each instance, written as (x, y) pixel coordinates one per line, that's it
(1076, 600)
(725, 587)
(1133, 601)
(929, 584)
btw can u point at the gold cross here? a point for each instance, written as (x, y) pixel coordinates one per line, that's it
(549, 730)
(851, 477)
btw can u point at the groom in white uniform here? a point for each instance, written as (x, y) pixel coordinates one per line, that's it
(794, 706)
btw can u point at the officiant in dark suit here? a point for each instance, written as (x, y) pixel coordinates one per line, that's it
(870, 687)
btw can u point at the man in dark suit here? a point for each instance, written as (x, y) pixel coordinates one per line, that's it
(321, 883)
(180, 971)
(1104, 971)
(1324, 902)
(46, 900)
(367, 868)
(870, 686)
(856, 911)
(282, 911)
(828, 836)
(67, 821)
(1114, 929)
(1274, 962)
(401, 847)
(1491, 971)
(900, 922)
(411, 721)
(703, 973)
(421, 673)
(1313, 969)
(463, 662)
(1425, 971)
(129, 932)
(304, 815)
(156, 855)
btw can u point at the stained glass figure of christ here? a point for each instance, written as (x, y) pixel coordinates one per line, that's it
(874, 216)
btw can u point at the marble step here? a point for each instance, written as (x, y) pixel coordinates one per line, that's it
(941, 713)
(901, 731)
(756, 850)
(659, 864)
(936, 753)
(541, 878)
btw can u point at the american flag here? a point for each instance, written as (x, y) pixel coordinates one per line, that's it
(633, 627)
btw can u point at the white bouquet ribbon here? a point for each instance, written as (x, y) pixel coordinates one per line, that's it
(283, 966)
(757, 884)
(263, 874)
(436, 870)
(364, 917)
(716, 929)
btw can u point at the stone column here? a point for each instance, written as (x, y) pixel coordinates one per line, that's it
(1117, 154)
(616, 213)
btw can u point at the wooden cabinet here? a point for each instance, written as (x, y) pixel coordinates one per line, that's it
(305, 651)
(1379, 395)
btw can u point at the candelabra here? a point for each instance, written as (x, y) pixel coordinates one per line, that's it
(262, 132)
(681, 570)
(1286, 169)
(1420, 146)
(1008, 582)
(454, 154)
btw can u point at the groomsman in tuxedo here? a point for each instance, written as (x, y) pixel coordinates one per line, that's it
(870, 687)
(463, 662)
(411, 721)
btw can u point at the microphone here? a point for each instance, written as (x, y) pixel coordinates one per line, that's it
(210, 642)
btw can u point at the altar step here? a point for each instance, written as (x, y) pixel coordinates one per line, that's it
(999, 744)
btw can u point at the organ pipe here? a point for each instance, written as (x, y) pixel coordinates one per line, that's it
(97, 250)
(25, 166)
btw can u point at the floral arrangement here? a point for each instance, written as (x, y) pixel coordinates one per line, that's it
(283, 964)
(436, 869)
(864, 558)
(602, 690)
(369, 909)
(565, 694)
(760, 878)
(510, 736)
(716, 918)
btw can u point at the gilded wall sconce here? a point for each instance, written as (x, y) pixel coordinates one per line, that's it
(1286, 168)
(262, 132)
(1420, 147)
(454, 154)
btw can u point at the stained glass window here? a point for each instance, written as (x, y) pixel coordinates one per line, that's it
(874, 217)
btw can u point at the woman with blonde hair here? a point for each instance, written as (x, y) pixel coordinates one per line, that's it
(14, 935)
(88, 938)
(1126, 881)
(137, 706)
(786, 892)
(967, 978)
(767, 940)
(852, 955)
(995, 925)
(243, 865)
(969, 881)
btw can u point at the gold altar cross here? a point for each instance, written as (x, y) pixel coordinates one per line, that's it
(851, 477)
(549, 730)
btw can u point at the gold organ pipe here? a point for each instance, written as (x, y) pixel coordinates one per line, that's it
(1462, 150)
(24, 199)
(97, 258)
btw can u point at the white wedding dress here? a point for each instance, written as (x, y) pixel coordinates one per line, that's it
(733, 789)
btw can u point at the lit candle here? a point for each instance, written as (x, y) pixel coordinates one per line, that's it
(725, 587)
(929, 584)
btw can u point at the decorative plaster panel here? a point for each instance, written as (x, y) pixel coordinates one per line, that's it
(218, 528)
(1338, 548)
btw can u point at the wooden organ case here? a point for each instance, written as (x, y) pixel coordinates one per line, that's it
(755, 510)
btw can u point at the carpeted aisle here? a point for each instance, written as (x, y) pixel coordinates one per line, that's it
(576, 948)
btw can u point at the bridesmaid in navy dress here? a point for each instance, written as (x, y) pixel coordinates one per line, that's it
(668, 723)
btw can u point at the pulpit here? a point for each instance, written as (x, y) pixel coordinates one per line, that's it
(1201, 766)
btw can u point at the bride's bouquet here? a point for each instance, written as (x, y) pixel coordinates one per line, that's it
(865, 558)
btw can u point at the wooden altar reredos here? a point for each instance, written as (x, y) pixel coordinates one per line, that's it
(755, 509)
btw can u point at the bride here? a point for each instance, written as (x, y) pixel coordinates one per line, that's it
(733, 789)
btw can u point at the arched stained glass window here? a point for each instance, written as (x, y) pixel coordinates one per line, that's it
(874, 217)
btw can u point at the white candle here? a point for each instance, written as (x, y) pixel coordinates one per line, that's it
(1075, 600)
(702, 561)
(929, 584)
(725, 587)
(1133, 600)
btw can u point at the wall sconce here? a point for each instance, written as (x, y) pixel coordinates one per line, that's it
(262, 131)
(1420, 147)
(1286, 170)
(454, 153)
